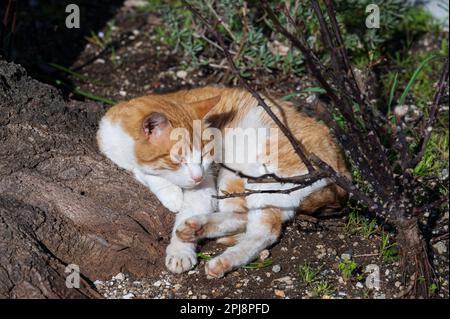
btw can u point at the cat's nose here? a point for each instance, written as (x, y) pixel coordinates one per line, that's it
(197, 179)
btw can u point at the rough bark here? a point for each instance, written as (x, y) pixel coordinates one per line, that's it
(62, 202)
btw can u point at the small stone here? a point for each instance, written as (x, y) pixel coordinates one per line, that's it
(157, 284)
(276, 268)
(286, 279)
(264, 255)
(398, 284)
(135, 3)
(98, 283)
(359, 285)
(128, 296)
(444, 176)
(122, 93)
(440, 247)
(191, 272)
(279, 293)
(341, 237)
(346, 256)
(120, 276)
(238, 285)
(177, 287)
(181, 74)
(190, 292)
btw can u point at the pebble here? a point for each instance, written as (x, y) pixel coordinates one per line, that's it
(345, 256)
(279, 293)
(157, 284)
(286, 279)
(359, 285)
(440, 247)
(128, 296)
(177, 286)
(135, 3)
(276, 268)
(122, 93)
(264, 255)
(181, 74)
(398, 284)
(120, 276)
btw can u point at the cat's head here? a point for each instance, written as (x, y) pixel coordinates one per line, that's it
(137, 135)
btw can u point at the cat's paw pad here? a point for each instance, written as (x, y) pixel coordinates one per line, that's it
(171, 197)
(218, 267)
(191, 229)
(180, 257)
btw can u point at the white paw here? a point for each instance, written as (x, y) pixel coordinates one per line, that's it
(171, 197)
(218, 267)
(180, 257)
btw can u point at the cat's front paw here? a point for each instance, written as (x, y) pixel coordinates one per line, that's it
(218, 267)
(171, 197)
(180, 257)
(192, 229)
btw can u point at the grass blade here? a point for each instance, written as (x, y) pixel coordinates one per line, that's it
(402, 98)
(392, 92)
(86, 94)
(76, 74)
(307, 90)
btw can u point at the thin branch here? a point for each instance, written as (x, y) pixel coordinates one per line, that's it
(294, 142)
(261, 191)
(305, 179)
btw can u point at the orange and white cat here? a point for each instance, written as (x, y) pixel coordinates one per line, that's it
(136, 136)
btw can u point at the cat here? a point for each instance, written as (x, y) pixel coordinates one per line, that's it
(136, 136)
(252, 223)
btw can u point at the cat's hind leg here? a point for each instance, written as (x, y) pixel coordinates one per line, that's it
(263, 229)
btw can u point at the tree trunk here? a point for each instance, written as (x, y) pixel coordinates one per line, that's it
(62, 202)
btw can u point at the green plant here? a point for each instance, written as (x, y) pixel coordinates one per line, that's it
(388, 250)
(308, 274)
(347, 268)
(310, 277)
(359, 224)
(323, 288)
(102, 39)
(434, 288)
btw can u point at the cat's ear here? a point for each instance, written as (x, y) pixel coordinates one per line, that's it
(202, 107)
(155, 127)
